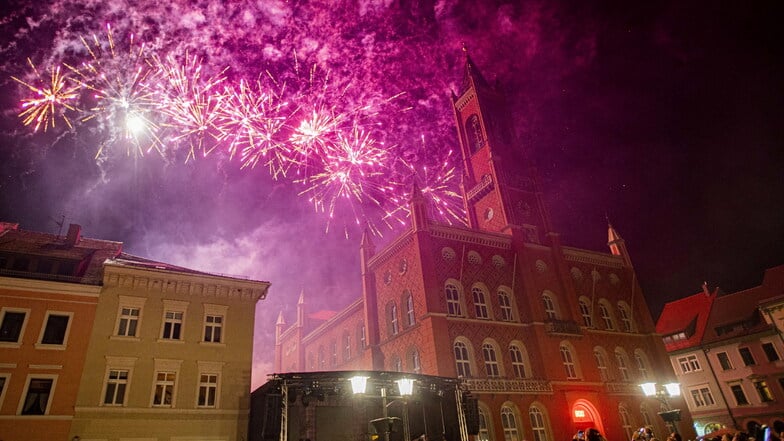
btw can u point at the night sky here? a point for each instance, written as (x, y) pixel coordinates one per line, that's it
(666, 117)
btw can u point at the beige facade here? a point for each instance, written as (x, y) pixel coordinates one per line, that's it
(169, 357)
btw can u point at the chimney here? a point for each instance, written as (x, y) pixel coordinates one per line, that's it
(74, 235)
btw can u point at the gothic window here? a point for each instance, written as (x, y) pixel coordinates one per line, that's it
(491, 360)
(549, 306)
(623, 367)
(409, 302)
(505, 303)
(604, 312)
(346, 346)
(394, 326)
(518, 363)
(453, 300)
(480, 303)
(473, 129)
(462, 360)
(568, 362)
(537, 424)
(585, 312)
(509, 423)
(484, 431)
(414, 361)
(626, 320)
(601, 364)
(642, 366)
(625, 421)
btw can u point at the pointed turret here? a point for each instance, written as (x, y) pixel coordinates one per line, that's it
(301, 309)
(471, 75)
(418, 208)
(617, 244)
(280, 326)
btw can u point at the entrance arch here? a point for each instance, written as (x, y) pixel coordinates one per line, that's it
(585, 415)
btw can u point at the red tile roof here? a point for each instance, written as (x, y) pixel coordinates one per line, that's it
(688, 315)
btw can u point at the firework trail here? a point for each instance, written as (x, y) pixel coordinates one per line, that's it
(250, 121)
(120, 83)
(190, 101)
(52, 99)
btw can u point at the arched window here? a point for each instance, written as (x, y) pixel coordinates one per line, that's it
(549, 306)
(568, 362)
(453, 300)
(537, 424)
(585, 311)
(626, 422)
(642, 365)
(409, 302)
(480, 303)
(397, 364)
(484, 430)
(509, 423)
(601, 364)
(462, 359)
(646, 416)
(604, 311)
(518, 363)
(626, 320)
(491, 361)
(506, 306)
(414, 361)
(394, 327)
(623, 368)
(346, 346)
(361, 342)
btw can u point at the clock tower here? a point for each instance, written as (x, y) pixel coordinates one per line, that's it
(500, 188)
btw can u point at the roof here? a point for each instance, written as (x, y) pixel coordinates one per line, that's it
(70, 258)
(689, 316)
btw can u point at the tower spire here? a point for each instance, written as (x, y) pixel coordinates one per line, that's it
(418, 208)
(616, 243)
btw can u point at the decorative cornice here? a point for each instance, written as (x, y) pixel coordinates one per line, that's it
(592, 258)
(204, 285)
(50, 287)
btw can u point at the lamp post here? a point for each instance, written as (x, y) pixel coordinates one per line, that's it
(663, 393)
(405, 387)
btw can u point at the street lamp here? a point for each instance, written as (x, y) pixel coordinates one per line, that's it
(663, 393)
(405, 387)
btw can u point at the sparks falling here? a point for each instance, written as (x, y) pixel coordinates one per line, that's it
(54, 96)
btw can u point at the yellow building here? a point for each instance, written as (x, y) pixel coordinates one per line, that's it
(169, 357)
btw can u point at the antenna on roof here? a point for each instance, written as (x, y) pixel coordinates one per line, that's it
(59, 223)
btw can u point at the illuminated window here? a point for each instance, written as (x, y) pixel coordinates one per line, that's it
(518, 363)
(462, 360)
(763, 390)
(480, 304)
(689, 364)
(537, 424)
(702, 397)
(491, 361)
(509, 423)
(164, 389)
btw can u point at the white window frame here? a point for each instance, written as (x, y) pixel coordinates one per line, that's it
(567, 358)
(585, 312)
(490, 356)
(604, 312)
(50, 399)
(601, 365)
(116, 382)
(480, 303)
(689, 363)
(538, 423)
(626, 320)
(642, 366)
(61, 346)
(702, 396)
(416, 361)
(174, 306)
(394, 326)
(346, 345)
(509, 424)
(209, 368)
(462, 356)
(454, 301)
(117, 364)
(165, 366)
(623, 367)
(772, 345)
(550, 311)
(18, 342)
(505, 302)
(484, 430)
(7, 377)
(518, 361)
(410, 315)
(729, 360)
(211, 310)
(128, 302)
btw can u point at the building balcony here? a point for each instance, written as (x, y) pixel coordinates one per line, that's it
(566, 327)
(502, 385)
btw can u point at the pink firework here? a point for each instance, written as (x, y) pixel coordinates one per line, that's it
(437, 180)
(349, 183)
(250, 120)
(119, 82)
(189, 99)
(54, 96)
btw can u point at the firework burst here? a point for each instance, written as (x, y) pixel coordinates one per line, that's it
(54, 96)
(120, 83)
(190, 99)
(250, 121)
